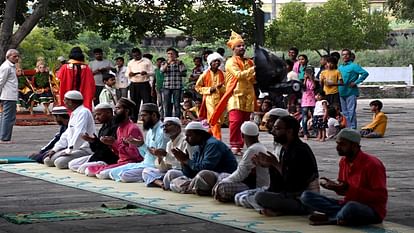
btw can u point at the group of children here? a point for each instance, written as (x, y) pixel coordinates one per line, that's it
(318, 107)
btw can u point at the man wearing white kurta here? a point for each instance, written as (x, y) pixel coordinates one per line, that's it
(248, 175)
(71, 145)
(165, 159)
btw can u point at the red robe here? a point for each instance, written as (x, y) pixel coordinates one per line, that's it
(67, 76)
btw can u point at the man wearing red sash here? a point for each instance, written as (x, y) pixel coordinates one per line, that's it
(240, 97)
(210, 84)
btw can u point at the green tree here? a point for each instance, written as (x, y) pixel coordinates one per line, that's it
(42, 42)
(287, 31)
(68, 18)
(402, 9)
(335, 25)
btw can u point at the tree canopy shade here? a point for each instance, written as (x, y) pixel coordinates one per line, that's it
(335, 25)
(402, 9)
(205, 20)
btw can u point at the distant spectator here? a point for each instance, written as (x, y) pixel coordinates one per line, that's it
(376, 128)
(99, 66)
(353, 75)
(122, 82)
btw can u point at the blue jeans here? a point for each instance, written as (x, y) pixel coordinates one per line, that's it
(305, 118)
(172, 97)
(352, 212)
(7, 119)
(349, 105)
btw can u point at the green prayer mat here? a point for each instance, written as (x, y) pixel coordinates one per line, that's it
(78, 214)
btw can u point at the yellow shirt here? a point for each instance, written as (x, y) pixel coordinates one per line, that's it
(243, 98)
(212, 99)
(378, 124)
(330, 77)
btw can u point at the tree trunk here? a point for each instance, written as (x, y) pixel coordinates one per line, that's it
(7, 40)
(7, 28)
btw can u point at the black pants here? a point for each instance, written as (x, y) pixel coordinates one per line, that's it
(138, 92)
(98, 90)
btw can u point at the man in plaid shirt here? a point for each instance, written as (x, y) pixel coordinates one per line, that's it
(174, 70)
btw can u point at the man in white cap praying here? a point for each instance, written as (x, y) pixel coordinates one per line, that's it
(165, 159)
(62, 119)
(362, 182)
(102, 153)
(211, 84)
(248, 175)
(290, 175)
(210, 154)
(71, 145)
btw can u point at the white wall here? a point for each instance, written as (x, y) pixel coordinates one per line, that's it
(388, 74)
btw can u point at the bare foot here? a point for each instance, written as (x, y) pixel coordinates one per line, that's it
(305, 137)
(270, 213)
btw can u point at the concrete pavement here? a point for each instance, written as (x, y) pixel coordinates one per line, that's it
(395, 150)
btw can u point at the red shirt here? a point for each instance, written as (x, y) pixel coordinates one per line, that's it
(67, 77)
(367, 182)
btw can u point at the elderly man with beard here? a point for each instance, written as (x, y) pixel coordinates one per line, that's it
(292, 174)
(71, 145)
(240, 97)
(362, 182)
(209, 155)
(127, 152)
(155, 139)
(102, 154)
(165, 158)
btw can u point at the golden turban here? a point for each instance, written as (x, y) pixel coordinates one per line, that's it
(234, 40)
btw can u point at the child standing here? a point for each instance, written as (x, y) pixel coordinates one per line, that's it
(308, 99)
(108, 94)
(375, 129)
(320, 115)
(330, 79)
(333, 124)
(303, 63)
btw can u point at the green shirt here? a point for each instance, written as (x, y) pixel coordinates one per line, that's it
(159, 79)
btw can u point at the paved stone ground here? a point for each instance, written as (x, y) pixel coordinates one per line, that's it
(395, 150)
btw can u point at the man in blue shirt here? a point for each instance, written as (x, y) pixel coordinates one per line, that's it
(209, 155)
(352, 75)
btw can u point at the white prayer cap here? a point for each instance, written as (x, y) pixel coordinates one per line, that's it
(249, 128)
(214, 56)
(263, 94)
(59, 110)
(174, 120)
(195, 125)
(280, 112)
(104, 106)
(74, 95)
(112, 73)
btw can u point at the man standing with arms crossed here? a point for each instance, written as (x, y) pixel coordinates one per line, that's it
(240, 97)
(8, 95)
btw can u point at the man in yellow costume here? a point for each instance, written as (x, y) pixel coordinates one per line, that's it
(240, 97)
(210, 84)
